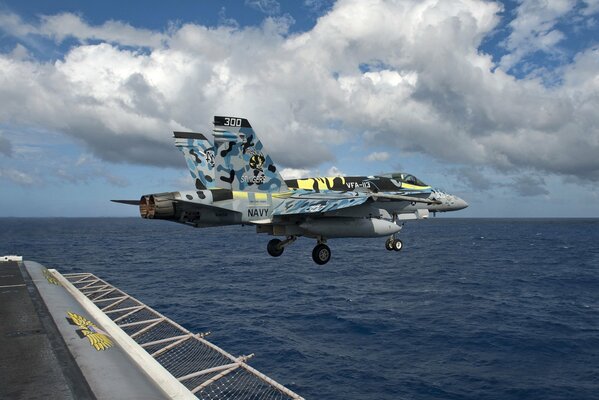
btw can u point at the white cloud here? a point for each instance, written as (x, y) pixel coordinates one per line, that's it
(527, 185)
(377, 156)
(269, 7)
(299, 173)
(427, 88)
(185, 180)
(334, 171)
(12, 24)
(18, 177)
(65, 25)
(20, 53)
(6, 147)
(536, 27)
(473, 179)
(590, 7)
(296, 173)
(83, 170)
(317, 6)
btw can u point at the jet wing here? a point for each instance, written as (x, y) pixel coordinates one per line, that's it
(317, 203)
(321, 202)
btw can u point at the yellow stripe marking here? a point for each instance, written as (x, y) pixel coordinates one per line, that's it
(240, 195)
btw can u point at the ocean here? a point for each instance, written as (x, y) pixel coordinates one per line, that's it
(469, 309)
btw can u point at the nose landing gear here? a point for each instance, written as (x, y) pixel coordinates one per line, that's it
(392, 242)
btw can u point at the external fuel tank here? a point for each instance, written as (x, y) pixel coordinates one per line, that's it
(350, 227)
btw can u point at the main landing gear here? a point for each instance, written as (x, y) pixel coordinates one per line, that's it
(275, 247)
(393, 244)
(321, 253)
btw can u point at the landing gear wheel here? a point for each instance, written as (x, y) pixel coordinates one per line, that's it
(389, 244)
(273, 248)
(397, 245)
(321, 254)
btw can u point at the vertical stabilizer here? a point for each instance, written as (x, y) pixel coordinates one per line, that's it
(241, 163)
(199, 156)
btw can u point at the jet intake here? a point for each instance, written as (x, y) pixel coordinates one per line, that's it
(349, 227)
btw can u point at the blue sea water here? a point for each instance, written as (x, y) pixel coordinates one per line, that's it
(470, 309)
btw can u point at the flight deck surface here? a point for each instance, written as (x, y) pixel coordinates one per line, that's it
(34, 362)
(75, 336)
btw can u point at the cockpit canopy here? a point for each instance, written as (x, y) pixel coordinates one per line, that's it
(405, 178)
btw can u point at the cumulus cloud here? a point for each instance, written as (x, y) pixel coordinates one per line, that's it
(378, 156)
(65, 25)
(406, 74)
(473, 179)
(85, 170)
(317, 6)
(590, 7)
(5, 146)
(17, 176)
(538, 28)
(87, 176)
(269, 7)
(68, 25)
(528, 185)
(334, 171)
(534, 29)
(296, 173)
(12, 24)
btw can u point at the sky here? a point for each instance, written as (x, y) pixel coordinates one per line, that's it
(495, 102)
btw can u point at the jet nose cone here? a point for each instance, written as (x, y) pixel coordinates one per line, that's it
(459, 204)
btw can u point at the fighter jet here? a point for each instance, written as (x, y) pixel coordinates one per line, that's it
(238, 183)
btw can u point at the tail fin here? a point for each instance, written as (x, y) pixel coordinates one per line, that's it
(240, 161)
(199, 155)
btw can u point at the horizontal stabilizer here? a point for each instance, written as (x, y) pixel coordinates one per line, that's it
(189, 135)
(130, 202)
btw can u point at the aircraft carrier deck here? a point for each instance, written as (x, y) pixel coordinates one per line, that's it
(75, 336)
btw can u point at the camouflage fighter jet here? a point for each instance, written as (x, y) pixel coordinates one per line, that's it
(237, 183)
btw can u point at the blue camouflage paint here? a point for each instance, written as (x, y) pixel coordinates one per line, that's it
(240, 158)
(199, 156)
(310, 203)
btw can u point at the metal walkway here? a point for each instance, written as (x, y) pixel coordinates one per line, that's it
(205, 369)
